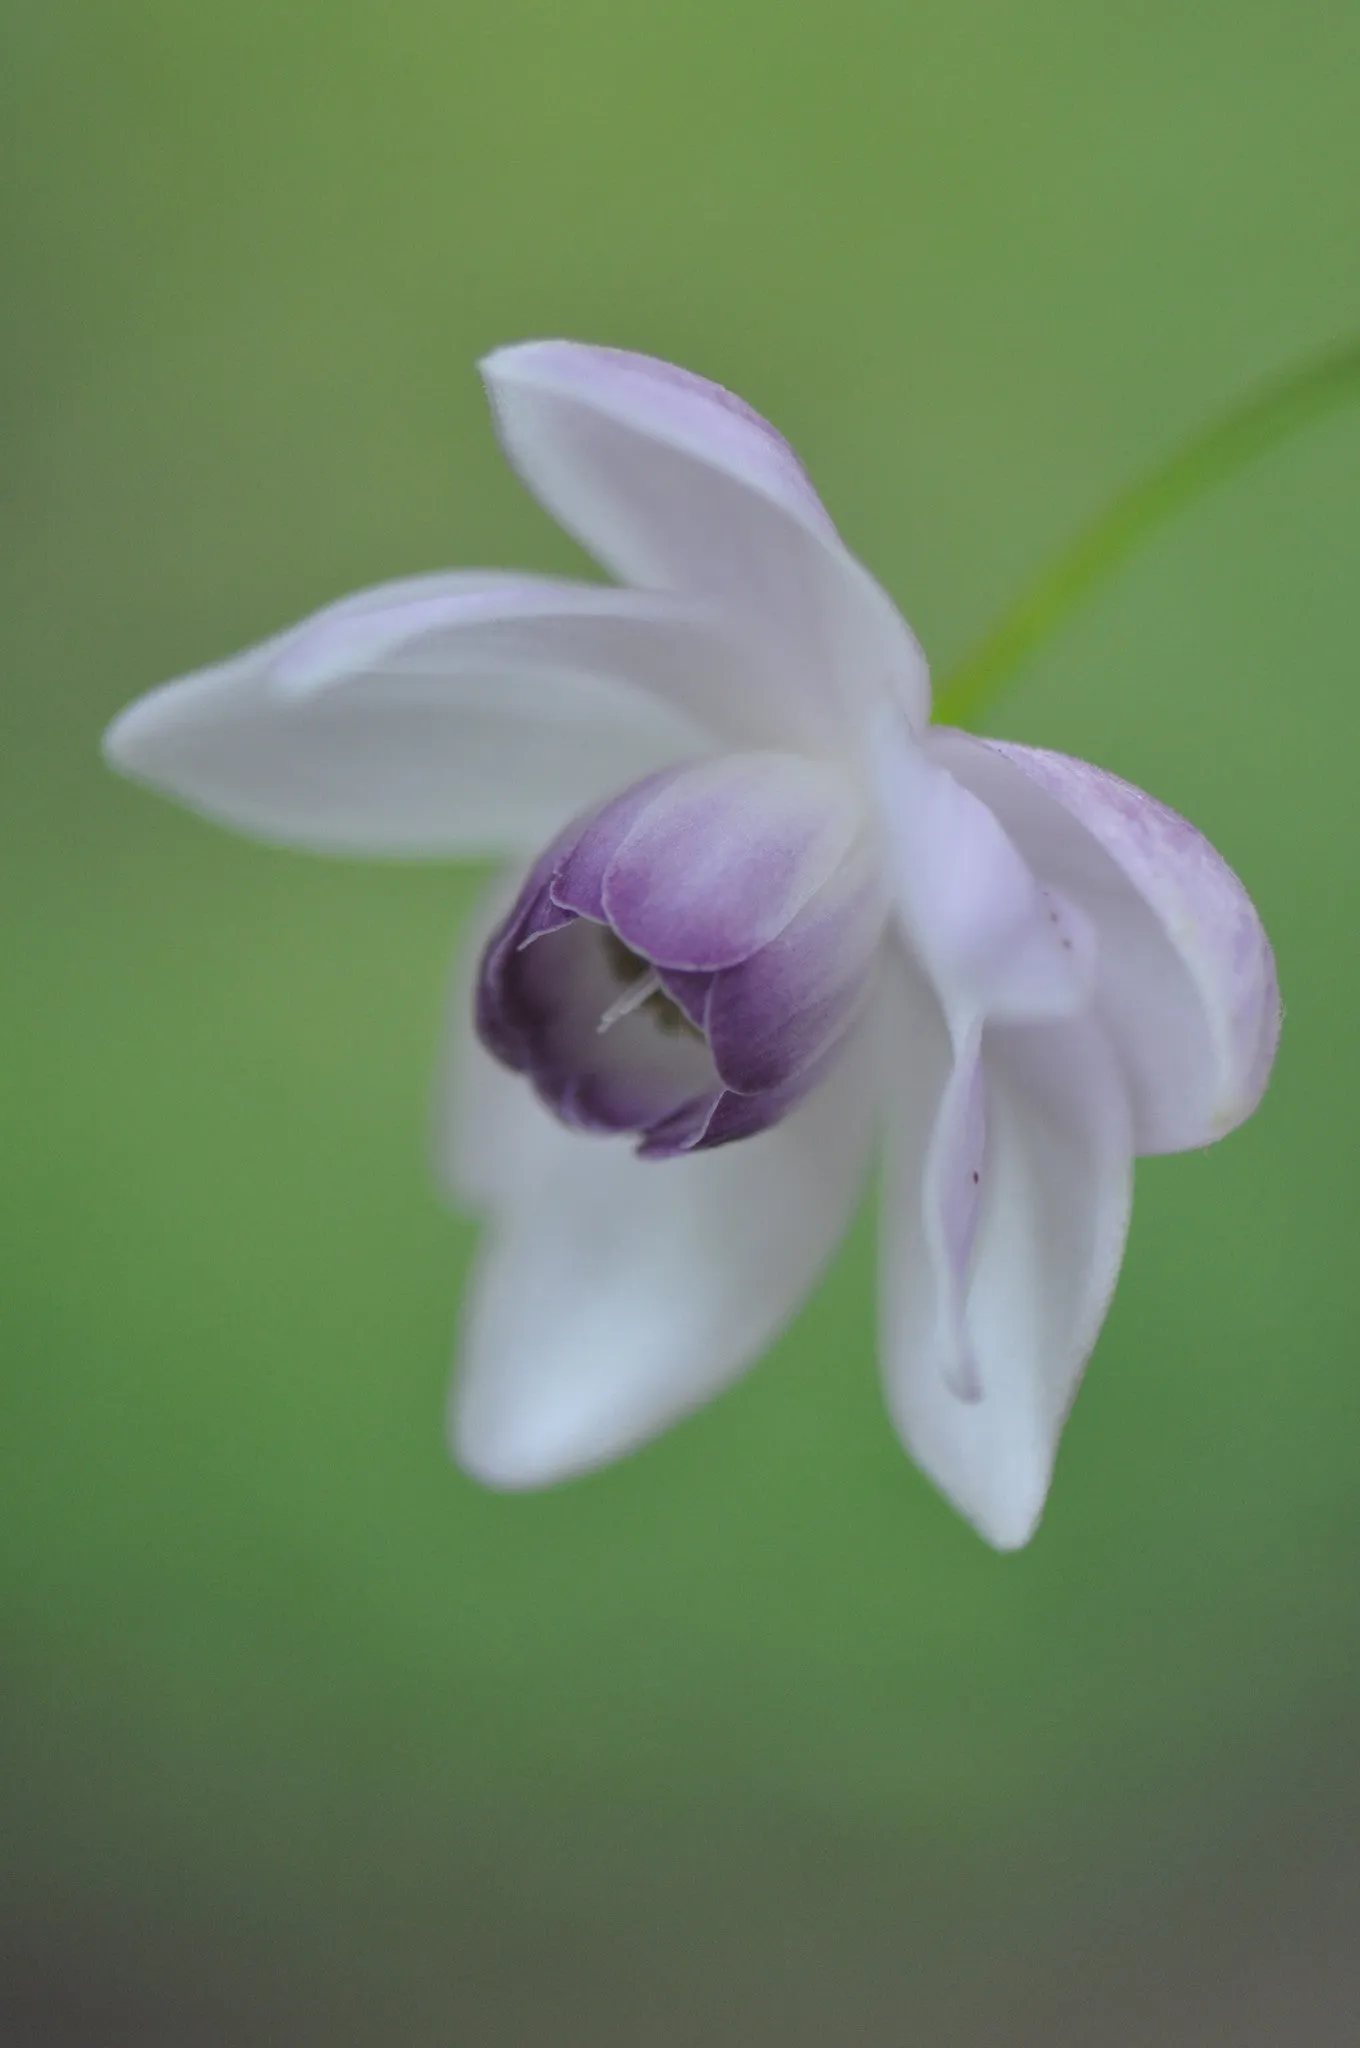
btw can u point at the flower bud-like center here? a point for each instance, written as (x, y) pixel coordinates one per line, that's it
(685, 965)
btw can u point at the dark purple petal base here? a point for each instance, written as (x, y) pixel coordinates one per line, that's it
(685, 1057)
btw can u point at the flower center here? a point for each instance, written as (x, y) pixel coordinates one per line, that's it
(640, 989)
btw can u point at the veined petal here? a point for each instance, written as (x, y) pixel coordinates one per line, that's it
(772, 1017)
(441, 716)
(1047, 1238)
(1186, 978)
(991, 939)
(674, 484)
(724, 854)
(613, 1294)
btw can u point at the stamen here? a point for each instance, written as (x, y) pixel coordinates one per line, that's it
(631, 998)
(641, 988)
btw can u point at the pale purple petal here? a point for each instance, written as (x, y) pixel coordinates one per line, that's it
(724, 854)
(674, 484)
(1186, 978)
(1040, 1252)
(685, 1057)
(444, 715)
(726, 1116)
(674, 406)
(771, 1017)
(613, 1294)
(544, 992)
(991, 939)
(689, 993)
(588, 849)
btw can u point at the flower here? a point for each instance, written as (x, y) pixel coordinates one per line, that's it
(761, 919)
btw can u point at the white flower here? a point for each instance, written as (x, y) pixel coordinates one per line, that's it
(761, 919)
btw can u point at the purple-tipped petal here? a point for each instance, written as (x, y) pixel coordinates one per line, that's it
(689, 993)
(615, 1038)
(687, 1129)
(770, 1018)
(725, 854)
(544, 995)
(1186, 978)
(674, 484)
(578, 877)
(440, 716)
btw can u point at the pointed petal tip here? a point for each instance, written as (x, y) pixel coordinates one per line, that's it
(1007, 1518)
(505, 1467)
(128, 743)
(517, 356)
(1010, 1534)
(113, 744)
(551, 362)
(1001, 1500)
(525, 1446)
(1005, 1509)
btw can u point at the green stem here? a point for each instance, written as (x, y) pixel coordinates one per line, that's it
(1282, 408)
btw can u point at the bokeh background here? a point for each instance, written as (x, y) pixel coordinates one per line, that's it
(306, 1739)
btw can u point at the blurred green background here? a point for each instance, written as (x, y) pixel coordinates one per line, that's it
(307, 1740)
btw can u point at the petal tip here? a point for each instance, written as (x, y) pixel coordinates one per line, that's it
(522, 1453)
(128, 742)
(1014, 1529)
(516, 361)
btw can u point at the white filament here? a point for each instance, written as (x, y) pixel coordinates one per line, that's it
(630, 999)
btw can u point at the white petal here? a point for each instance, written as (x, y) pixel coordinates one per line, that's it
(696, 659)
(491, 1134)
(614, 1294)
(674, 484)
(1047, 1244)
(990, 939)
(951, 1197)
(1186, 978)
(444, 715)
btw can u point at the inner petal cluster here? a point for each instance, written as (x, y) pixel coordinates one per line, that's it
(687, 963)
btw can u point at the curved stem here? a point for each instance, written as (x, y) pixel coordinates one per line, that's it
(1282, 408)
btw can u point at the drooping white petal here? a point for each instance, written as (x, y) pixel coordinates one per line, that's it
(440, 716)
(1039, 1256)
(1186, 978)
(993, 942)
(675, 484)
(613, 1294)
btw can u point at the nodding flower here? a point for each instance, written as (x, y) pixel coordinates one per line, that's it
(760, 923)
